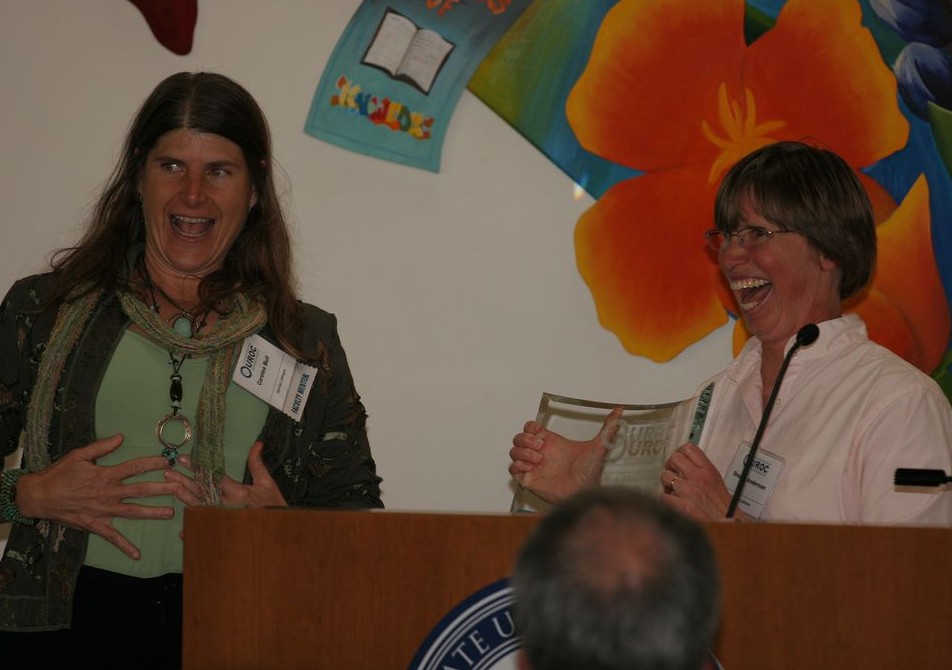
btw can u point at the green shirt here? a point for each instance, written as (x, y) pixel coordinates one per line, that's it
(133, 398)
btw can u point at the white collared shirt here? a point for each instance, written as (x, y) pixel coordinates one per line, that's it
(848, 414)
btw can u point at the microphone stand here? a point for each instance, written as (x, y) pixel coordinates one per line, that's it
(805, 337)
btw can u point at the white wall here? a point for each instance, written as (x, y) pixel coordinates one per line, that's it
(457, 293)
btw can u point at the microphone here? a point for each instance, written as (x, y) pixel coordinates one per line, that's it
(805, 337)
(920, 477)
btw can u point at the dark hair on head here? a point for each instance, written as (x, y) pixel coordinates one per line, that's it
(259, 263)
(811, 191)
(614, 579)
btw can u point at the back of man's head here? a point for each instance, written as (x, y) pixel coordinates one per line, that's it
(613, 579)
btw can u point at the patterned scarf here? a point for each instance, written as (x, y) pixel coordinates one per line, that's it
(220, 345)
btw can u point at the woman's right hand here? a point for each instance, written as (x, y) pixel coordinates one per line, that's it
(77, 493)
(554, 467)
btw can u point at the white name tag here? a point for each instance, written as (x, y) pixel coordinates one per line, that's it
(761, 479)
(274, 376)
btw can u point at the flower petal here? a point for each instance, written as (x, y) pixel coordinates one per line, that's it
(652, 76)
(641, 251)
(925, 75)
(882, 201)
(907, 277)
(885, 324)
(844, 94)
(926, 21)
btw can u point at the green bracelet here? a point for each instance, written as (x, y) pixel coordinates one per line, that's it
(8, 498)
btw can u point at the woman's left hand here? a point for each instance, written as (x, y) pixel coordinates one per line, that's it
(694, 486)
(262, 492)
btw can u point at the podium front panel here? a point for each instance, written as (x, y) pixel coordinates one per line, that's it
(291, 588)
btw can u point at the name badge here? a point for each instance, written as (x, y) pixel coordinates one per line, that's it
(761, 479)
(274, 376)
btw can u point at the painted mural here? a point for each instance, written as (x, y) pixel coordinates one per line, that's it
(646, 104)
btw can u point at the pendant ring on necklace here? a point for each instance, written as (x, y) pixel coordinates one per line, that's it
(170, 450)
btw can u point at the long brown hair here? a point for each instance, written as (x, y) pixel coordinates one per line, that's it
(259, 262)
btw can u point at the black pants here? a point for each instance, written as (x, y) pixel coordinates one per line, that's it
(118, 622)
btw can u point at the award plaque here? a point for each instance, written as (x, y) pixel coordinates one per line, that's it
(646, 437)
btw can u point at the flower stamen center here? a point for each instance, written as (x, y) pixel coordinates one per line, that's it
(741, 132)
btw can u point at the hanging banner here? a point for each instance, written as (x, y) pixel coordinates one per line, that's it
(398, 71)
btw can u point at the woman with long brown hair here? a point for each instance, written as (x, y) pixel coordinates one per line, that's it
(131, 376)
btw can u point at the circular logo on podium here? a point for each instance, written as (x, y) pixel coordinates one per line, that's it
(478, 634)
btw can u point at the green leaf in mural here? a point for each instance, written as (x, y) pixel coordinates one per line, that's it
(940, 119)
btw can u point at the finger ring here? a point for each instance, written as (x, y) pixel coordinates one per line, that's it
(669, 487)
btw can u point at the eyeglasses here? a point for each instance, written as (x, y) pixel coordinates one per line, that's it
(746, 238)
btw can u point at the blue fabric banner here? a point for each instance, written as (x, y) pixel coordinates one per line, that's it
(397, 72)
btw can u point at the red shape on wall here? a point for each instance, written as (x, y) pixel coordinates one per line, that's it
(172, 22)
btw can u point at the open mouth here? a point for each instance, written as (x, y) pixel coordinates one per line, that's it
(191, 226)
(750, 292)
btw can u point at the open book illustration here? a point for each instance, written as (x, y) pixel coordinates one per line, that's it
(406, 51)
(647, 435)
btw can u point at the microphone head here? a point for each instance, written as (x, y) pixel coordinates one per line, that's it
(807, 335)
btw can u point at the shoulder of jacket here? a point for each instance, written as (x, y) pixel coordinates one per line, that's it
(316, 319)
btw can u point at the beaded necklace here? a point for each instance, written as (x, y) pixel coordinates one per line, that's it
(185, 323)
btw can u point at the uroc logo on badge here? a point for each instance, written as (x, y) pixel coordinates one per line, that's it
(478, 634)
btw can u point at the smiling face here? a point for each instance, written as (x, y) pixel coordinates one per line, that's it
(781, 285)
(196, 193)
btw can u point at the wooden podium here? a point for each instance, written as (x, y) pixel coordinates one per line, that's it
(348, 590)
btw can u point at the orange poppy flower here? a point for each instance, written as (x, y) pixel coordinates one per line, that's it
(672, 90)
